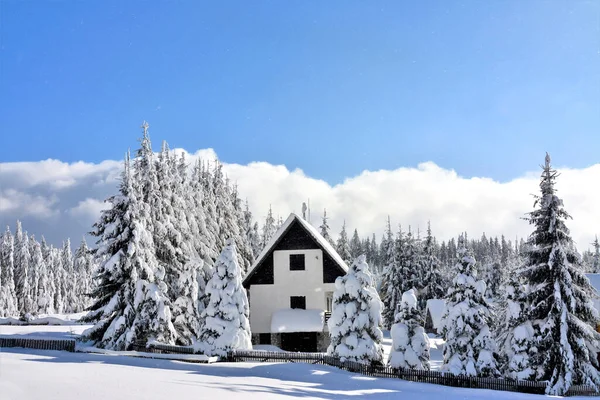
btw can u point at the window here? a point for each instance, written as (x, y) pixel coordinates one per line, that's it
(264, 338)
(328, 301)
(298, 302)
(296, 262)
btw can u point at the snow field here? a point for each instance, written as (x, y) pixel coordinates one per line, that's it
(34, 374)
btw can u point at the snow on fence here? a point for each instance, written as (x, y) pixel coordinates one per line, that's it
(435, 377)
(160, 348)
(40, 344)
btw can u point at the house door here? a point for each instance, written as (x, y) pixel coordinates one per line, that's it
(299, 341)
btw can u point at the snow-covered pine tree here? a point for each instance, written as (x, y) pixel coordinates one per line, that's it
(242, 242)
(59, 279)
(69, 291)
(355, 245)
(434, 285)
(561, 310)
(268, 228)
(174, 250)
(38, 276)
(22, 261)
(251, 231)
(50, 283)
(226, 318)
(343, 246)
(130, 306)
(85, 268)
(596, 256)
(44, 300)
(409, 265)
(391, 283)
(514, 332)
(356, 317)
(410, 344)
(8, 299)
(324, 229)
(469, 347)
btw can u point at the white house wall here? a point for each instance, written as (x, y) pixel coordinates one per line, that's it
(266, 299)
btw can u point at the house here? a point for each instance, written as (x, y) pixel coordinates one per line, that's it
(434, 311)
(290, 288)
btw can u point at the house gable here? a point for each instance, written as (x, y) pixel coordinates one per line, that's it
(295, 236)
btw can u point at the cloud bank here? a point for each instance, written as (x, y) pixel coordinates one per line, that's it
(60, 200)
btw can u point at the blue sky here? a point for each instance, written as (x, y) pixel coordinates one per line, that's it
(331, 87)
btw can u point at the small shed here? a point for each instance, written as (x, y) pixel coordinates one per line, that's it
(434, 311)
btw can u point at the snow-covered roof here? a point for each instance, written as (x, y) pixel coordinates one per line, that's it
(436, 309)
(297, 320)
(312, 231)
(595, 281)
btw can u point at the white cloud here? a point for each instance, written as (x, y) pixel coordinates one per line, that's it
(88, 209)
(411, 196)
(20, 204)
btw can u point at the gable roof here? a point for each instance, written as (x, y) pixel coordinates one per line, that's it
(313, 233)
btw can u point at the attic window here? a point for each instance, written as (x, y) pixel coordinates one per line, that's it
(297, 262)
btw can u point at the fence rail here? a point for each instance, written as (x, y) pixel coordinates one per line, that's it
(40, 344)
(160, 348)
(380, 371)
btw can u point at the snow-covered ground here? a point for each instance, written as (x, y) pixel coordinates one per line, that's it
(27, 374)
(35, 374)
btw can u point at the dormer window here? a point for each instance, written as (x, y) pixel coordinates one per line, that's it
(297, 262)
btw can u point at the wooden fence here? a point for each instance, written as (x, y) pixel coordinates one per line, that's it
(160, 348)
(40, 344)
(435, 377)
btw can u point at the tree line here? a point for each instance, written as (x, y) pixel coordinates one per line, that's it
(542, 328)
(37, 278)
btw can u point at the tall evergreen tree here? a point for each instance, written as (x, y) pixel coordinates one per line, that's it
(469, 347)
(410, 344)
(356, 248)
(22, 261)
(324, 229)
(84, 266)
(268, 228)
(8, 299)
(69, 292)
(130, 305)
(561, 309)
(38, 276)
(514, 331)
(343, 246)
(356, 317)
(596, 256)
(226, 325)
(434, 284)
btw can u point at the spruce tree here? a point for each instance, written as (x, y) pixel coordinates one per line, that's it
(268, 228)
(85, 267)
(324, 229)
(356, 248)
(8, 299)
(69, 279)
(514, 332)
(561, 310)
(356, 317)
(130, 303)
(38, 277)
(433, 282)
(410, 344)
(22, 262)
(226, 318)
(343, 246)
(469, 347)
(596, 257)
